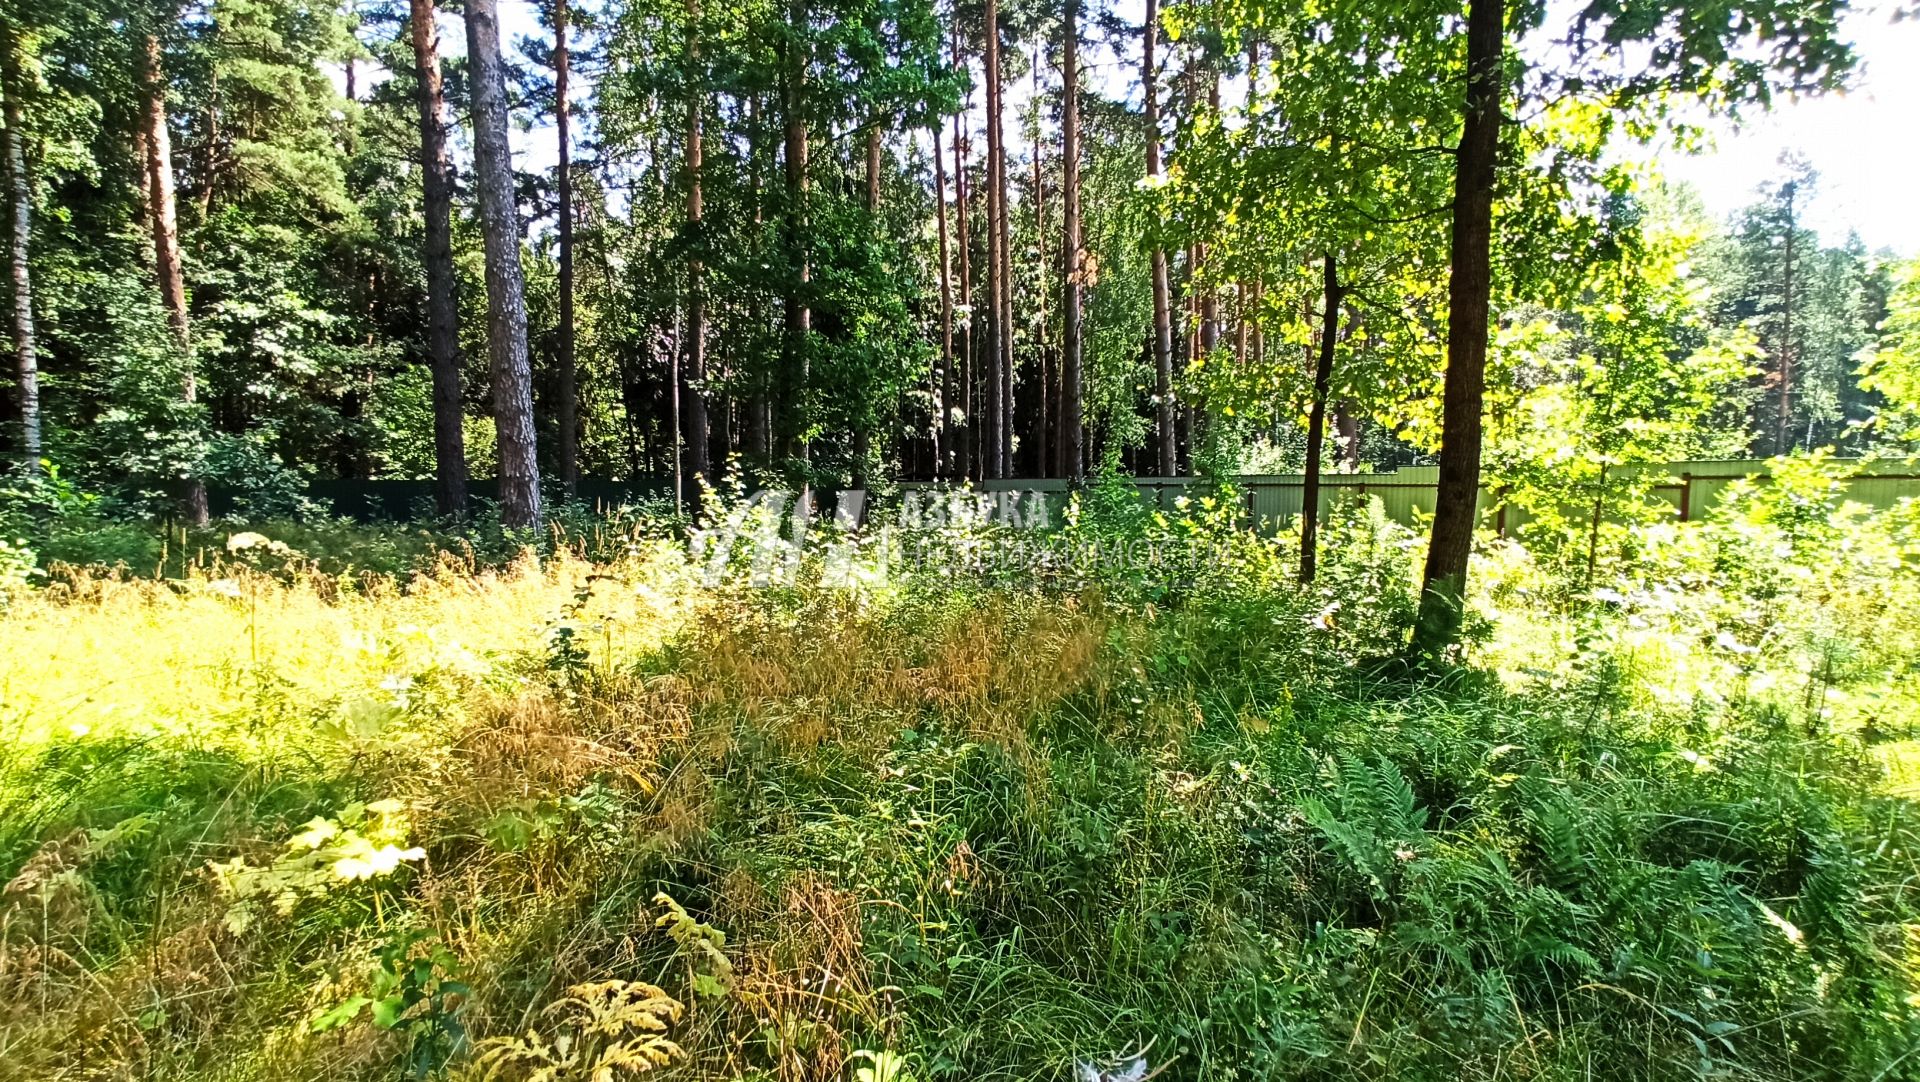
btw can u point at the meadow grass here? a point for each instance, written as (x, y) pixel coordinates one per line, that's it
(554, 815)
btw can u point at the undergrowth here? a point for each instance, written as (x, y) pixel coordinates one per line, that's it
(562, 818)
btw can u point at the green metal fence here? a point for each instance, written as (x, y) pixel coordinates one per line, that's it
(408, 501)
(1408, 493)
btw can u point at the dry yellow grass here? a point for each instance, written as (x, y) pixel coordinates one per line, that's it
(200, 657)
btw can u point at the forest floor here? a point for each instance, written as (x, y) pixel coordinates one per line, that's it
(554, 815)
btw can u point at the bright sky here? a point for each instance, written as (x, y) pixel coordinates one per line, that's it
(1865, 144)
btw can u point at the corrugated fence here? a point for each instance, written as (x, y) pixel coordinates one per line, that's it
(1690, 487)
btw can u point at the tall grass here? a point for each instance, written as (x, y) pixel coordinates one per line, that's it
(263, 822)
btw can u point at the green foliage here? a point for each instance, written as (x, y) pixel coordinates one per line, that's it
(606, 1029)
(975, 791)
(413, 992)
(1891, 369)
(702, 947)
(1810, 309)
(1000, 827)
(364, 842)
(1630, 379)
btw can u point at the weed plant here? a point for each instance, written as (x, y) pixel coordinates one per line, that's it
(578, 814)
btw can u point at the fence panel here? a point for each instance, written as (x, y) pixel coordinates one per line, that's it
(1273, 501)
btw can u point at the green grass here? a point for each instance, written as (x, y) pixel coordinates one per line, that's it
(991, 831)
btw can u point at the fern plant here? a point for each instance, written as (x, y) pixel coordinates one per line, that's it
(1372, 819)
(602, 1030)
(702, 944)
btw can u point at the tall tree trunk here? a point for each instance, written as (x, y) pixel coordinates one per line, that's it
(798, 316)
(999, 334)
(862, 426)
(1346, 428)
(1470, 288)
(163, 214)
(1210, 293)
(210, 147)
(1246, 293)
(1072, 457)
(506, 286)
(1253, 345)
(1783, 436)
(693, 358)
(1317, 421)
(1044, 400)
(20, 190)
(759, 420)
(1168, 437)
(567, 389)
(140, 186)
(674, 415)
(943, 380)
(1007, 362)
(1189, 341)
(443, 326)
(163, 206)
(967, 442)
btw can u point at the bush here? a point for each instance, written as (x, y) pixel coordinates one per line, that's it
(944, 821)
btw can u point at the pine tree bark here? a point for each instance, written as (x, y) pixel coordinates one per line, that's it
(759, 419)
(1332, 295)
(138, 159)
(943, 380)
(210, 147)
(163, 216)
(1210, 293)
(1007, 363)
(1072, 464)
(512, 375)
(1783, 437)
(1167, 436)
(1045, 399)
(693, 357)
(20, 191)
(797, 317)
(566, 382)
(862, 427)
(967, 432)
(1470, 288)
(992, 434)
(443, 320)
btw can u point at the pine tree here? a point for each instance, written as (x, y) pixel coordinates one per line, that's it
(1072, 464)
(506, 286)
(443, 328)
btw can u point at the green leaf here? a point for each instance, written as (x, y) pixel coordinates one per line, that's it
(340, 1015)
(387, 1011)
